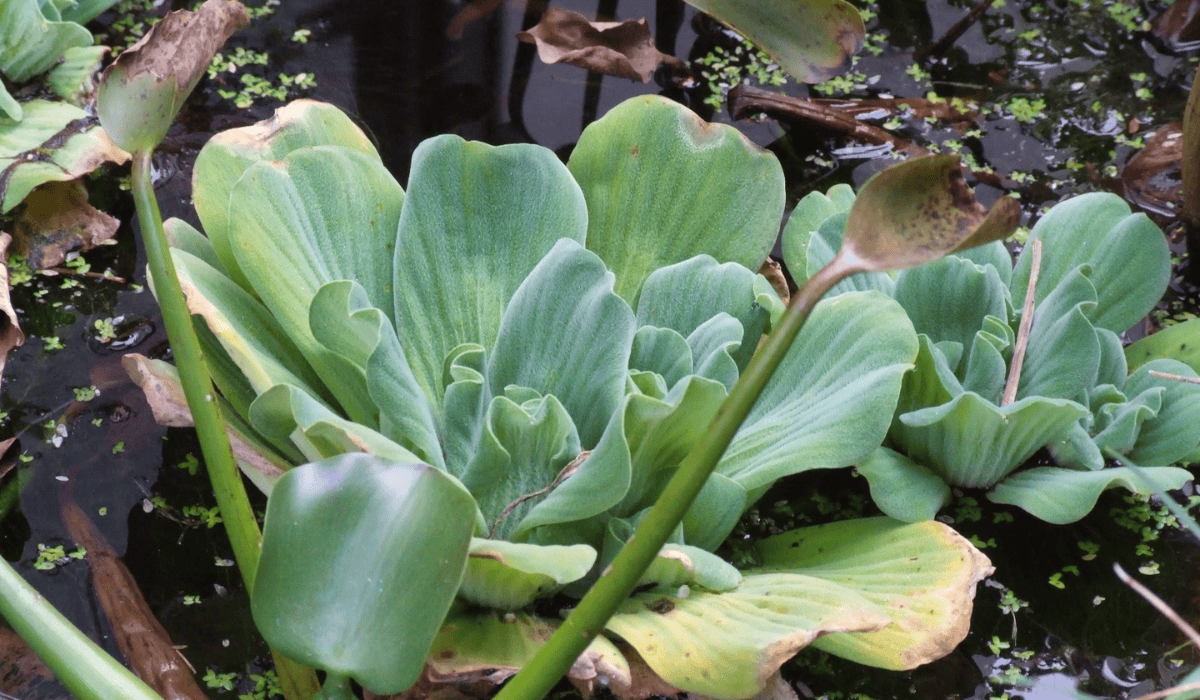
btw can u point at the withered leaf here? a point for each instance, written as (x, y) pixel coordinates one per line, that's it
(624, 49)
(56, 219)
(1151, 178)
(10, 332)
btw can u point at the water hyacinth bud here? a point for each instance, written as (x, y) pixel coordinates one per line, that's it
(142, 90)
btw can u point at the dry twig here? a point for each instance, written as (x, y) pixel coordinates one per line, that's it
(1018, 361)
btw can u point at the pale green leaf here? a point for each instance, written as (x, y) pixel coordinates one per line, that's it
(831, 400)
(470, 234)
(637, 164)
(903, 489)
(1062, 496)
(509, 575)
(1127, 252)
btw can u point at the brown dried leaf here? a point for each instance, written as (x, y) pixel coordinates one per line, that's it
(10, 333)
(182, 44)
(139, 635)
(1180, 24)
(624, 49)
(56, 219)
(160, 383)
(1151, 178)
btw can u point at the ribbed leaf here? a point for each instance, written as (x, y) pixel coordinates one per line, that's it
(1172, 435)
(902, 488)
(1127, 252)
(565, 333)
(1061, 496)
(971, 442)
(831, 400)
(922, 574)
(634, 163)
(228, 154)
(476, 220)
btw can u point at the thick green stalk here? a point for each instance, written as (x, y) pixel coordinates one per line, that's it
(618, 581)
(223, 472)
(84, 668)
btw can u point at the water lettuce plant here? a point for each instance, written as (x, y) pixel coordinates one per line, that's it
(527, 350)
(1102, 270)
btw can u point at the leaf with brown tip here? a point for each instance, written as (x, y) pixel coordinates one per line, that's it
(917, 211)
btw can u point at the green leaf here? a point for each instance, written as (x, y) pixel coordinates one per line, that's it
(73, 77)
(831, 400)
(361, 559)
(713, 345)
(228, 154)
(246, 330)
(948, 299)
(1179, 342)
(715, 512)
(1126, 252)
(763, 623)
(634, 166)
(1062, 496)
(566, 333)
(342, 319)
(1064, 351)
(994, 254)
(805, 220)
(509, 575)
(683, 565)
(1118, 425)
(662, 351)
(902, 488)
(973, 443)
(923, 575)
(29, 43)
(811, 39)
(1171, 436)
(284, 413)
(521, 451)
(54, 141)
(823, 245)
(685, 295)
(470, 233)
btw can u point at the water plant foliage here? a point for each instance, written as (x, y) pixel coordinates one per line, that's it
(1104, 269)
(551, 340)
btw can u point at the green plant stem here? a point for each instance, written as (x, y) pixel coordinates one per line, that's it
(619, 579)
(236, 513)
(77, 662)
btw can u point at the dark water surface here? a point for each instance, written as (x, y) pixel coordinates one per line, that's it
(390, 65)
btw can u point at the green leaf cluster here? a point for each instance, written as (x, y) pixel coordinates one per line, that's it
(525, 351)
(1103, 270)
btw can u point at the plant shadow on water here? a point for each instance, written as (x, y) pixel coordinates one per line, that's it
(1053, 608)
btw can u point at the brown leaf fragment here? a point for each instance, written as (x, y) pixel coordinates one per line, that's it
(473, 12)
(182, 44)
(56, 219)
(10, 332)
(624, 49)
(1179, 25)
(773, 271)
(141, 638)
(1152, 177)
(160, 384)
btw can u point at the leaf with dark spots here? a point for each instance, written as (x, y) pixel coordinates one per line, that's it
(624, 49)
(919, 210)
(142, 90)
